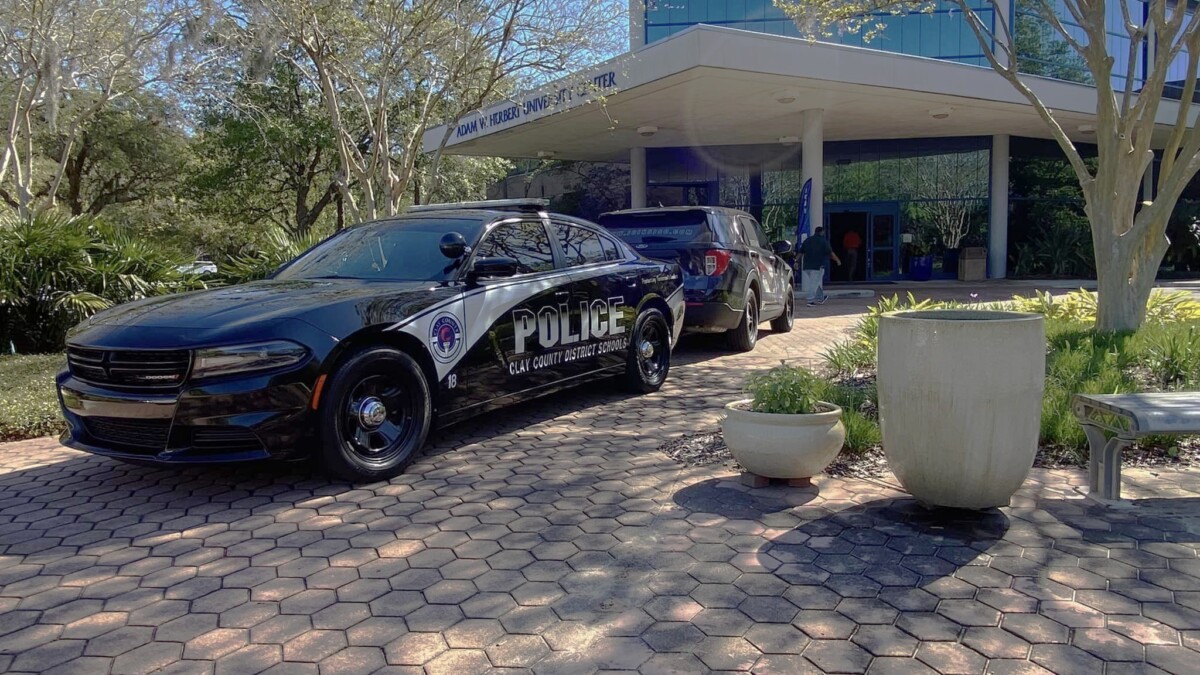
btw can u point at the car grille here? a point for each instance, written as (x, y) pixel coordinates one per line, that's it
(153, 369)
(224, 439)
(131, 435)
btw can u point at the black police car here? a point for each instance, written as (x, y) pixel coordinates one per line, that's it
(355, 349)
(734, 278)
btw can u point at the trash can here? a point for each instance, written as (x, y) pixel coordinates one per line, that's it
(972, 264)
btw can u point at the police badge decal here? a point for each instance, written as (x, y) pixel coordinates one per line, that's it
(445, 337)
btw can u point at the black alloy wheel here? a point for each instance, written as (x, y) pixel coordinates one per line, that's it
(745, 336)
(375, 415)
(784, 322)
(649, 358)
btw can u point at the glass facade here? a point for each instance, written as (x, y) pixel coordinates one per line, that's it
(940, 34)
(1043, 51)
(903, 197)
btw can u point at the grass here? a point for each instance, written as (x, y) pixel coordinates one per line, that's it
(28, 403)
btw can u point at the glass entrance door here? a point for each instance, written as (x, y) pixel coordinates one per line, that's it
(882, 243)
(866, 236)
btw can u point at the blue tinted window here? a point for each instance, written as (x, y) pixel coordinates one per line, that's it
(941, 34)
(1043, 51)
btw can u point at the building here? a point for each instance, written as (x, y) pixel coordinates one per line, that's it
(908, 140)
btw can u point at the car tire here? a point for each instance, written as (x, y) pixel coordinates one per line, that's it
(649, 354)
(784, 322)
(745, 336)
(362, 441)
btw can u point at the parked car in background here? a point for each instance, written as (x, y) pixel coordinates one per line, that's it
(198, 267)
(359, 347)
(734, 277)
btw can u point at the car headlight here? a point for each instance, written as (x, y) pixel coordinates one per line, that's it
(216, 361)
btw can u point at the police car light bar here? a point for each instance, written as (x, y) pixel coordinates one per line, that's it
(491, 204)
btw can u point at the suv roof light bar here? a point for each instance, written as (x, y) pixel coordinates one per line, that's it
(490, 204)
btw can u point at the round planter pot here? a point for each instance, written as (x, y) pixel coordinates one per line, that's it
(960, 402)
(783, 446)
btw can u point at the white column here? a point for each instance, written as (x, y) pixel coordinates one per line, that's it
(637, 23)
(998, 223)
(637, 178)
(812, 165)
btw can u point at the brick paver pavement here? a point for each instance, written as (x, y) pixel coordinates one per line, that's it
(553, 537)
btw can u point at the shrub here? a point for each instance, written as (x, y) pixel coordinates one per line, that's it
(785, 390)
(1080, 305)
(849, 357)
(1173, 357)
(278, 247)
(858, 414)
(56, 271)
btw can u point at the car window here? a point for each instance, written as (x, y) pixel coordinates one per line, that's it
(754, 232)
(659, 227)
(612, 251)
(395, 250)
(740, 233)
(581, 246)
(526, 242)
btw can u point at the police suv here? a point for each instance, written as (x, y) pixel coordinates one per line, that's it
(353, 351)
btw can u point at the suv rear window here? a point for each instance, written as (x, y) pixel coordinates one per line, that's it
(666, 227)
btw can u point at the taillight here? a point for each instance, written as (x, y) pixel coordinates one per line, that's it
(716, 261)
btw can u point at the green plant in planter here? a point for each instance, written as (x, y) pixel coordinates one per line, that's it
(785, 390)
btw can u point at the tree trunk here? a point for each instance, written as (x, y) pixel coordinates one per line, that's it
(1125, 272)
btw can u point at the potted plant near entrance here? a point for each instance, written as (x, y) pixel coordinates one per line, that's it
(920, 261)
(783, 430)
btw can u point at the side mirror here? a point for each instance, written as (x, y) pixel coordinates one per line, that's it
(453, 245)
(783, 247)
(493, 268)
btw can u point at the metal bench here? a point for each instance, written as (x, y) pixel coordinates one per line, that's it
(1129, 417)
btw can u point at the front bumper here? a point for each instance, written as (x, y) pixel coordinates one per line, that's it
(234, 419)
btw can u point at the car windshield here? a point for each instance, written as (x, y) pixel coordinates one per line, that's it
(397, 250)
(659, 227)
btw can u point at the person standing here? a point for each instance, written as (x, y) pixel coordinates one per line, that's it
(815, 254)
(850, 244)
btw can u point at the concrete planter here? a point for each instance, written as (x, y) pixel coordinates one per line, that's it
(960, 402)
(783, 446)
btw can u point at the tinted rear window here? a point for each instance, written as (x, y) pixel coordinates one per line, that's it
(668, 227)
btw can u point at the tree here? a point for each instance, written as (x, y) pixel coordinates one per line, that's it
(131, 152)
(1128, 235)
(387, 69)
(64, 62)
(266, 153)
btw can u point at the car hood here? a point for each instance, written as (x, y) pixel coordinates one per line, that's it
(231, 307)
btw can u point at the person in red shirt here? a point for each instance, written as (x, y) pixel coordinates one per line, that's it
(851, 242)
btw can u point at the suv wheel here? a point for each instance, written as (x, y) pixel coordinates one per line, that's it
(375, 415)
(783, 323)
(745, 336)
